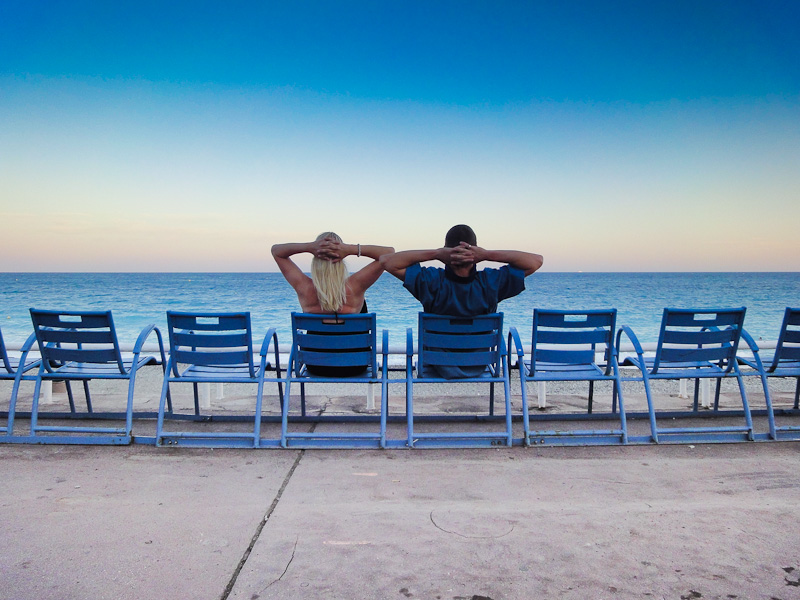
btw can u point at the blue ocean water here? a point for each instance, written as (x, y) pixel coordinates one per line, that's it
(138, 299)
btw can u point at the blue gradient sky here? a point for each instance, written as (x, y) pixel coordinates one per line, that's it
(607, 136)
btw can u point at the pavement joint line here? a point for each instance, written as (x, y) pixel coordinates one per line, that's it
(232, 582)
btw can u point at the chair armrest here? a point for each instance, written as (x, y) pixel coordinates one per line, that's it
(270, 338)
(409, 349)
(26, 348)
(385, 343)
(137, 347)
(385, 353)
(751, 343)
(145, 333)
(515, 344)
(634, 340)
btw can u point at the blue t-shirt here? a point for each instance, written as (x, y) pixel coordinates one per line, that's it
(442, 292)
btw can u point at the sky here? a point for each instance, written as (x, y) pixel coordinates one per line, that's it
(605, 135)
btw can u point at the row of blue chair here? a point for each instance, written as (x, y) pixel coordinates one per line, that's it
(565, 346)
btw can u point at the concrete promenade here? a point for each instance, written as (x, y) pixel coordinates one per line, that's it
(673, 522)
(714, 521)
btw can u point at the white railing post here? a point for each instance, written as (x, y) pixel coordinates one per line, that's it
(205, 395)
(46, 392)
(705, 393)
(541, 393)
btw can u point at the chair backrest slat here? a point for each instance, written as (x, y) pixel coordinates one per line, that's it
(790, 353)
(330, 324)
(334, 359)
(788, 347)
(458, 341)
(212, 359)
(81, 336)
(210, 339)
(76, 336)
(571, 336)
(345, 341)
(573, 319)
(205, 340)
(209, 321)
(792, 317)
(334, 341)
(792, 336)
(567, 357)
(698, 335)
(6, 364)
(694, 354)
(681, 317)
(459, 359)
(81, 355)
(73, 319)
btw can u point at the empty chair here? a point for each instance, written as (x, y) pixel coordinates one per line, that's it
(337, 349)
(83, 346)
(13, 368)
(693, 344)
(458, 350)
(785, 362)
(215, 347)
(564, 347)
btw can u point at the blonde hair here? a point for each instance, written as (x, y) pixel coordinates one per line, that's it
(330, 279)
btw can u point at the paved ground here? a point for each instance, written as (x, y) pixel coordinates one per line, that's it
(719, 521)
(672, 522)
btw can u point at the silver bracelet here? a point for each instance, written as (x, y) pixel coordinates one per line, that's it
(359, 250)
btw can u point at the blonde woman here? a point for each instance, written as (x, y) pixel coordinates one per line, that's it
(331, 289)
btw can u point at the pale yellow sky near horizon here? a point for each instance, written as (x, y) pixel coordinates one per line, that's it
(201, 181)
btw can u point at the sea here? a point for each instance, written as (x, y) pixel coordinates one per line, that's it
(138, 299)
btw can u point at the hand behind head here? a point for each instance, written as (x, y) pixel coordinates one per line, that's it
(329, 249)
(462, 255)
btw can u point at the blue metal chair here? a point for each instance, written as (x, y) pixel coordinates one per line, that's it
(82, 346)
(693, 344)
(12, 368)
(333, 349)
(458, 350)
(215, 347)
(564, 347)
(785, 362)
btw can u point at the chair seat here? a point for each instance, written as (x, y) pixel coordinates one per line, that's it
(430, 374)
(676, 370)
(76, 370)
(367, 375)
(570, 371)
(227, 373)
(14, 364)
(785, 368)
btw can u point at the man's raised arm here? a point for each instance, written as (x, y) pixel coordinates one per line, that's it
(524, 261)
(397, 263)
